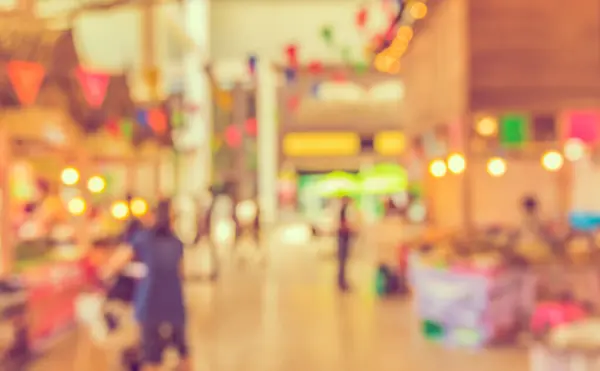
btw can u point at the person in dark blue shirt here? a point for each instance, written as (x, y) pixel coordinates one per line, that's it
(158, 301)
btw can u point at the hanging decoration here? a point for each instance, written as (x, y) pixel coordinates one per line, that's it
(224, 99)
(94, 86)
(315, 67)
(293, 103)
(127, 129)
(112, 127)
(26, 79)
(544, 128)
(361, 18)
(290, 75)
(251, 126)
(233, 136)
(151, 78)
(252, 64)
(292, 55)
(314, 90)
(514, 130)
(141, 116)
(583, 125)
(157, 120)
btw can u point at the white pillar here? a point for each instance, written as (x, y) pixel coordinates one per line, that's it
(196, 176)
(268, 140)
(195, 169)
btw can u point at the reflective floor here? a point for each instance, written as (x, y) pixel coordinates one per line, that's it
(287, 317)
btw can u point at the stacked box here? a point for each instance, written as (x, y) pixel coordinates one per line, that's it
(466, 309)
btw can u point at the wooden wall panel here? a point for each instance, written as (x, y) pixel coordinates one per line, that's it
(435, 68)
(534, 54)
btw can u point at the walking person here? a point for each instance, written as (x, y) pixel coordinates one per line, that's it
(158, 301)
(204, 235)
(344, 236)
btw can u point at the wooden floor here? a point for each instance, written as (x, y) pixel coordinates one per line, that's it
(287, 317)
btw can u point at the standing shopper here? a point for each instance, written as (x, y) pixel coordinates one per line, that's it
(204, 235)
(159, 303)
(344, 235)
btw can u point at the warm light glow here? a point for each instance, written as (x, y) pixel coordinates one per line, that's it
(76, 206)
(418, 10)
(384, 61)
(487, 126)
(456, 163)
(70, 176)
(496, 166)
(437, 168)
(321, 144)
(574, 149)
(139, 206)
(552, 161)
(119, 210)
(404, 34)
(96, 184)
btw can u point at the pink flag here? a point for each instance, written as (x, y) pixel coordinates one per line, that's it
(94, 86)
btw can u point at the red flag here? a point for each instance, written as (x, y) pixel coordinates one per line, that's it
(94, 86)
(26, 79)
(233, 137)
(112, 127)
(251, 126)
(361, 18)
(315, 67)
(157, 121)
(292, 55)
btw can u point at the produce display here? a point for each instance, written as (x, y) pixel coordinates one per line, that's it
(478, 289)
(573, 346)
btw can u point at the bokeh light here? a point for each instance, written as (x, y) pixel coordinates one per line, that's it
(76, 206)
(437, 168)
(70, 176)
(139, 206)
(96, 184)
(456, 163)
(552, 161)
(119, 210)
(418, 10)
(496, 166)
(574, 149)
(486, 126)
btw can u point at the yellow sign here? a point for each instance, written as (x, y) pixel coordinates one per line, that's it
(321, 144)
(389, 143)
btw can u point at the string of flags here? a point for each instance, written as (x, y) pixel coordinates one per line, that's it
(28, 77)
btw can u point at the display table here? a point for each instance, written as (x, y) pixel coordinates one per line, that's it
(52, 290)
(469, 309)
(14, 349)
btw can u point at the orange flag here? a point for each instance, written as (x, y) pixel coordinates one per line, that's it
(157, 121)
(26, 79)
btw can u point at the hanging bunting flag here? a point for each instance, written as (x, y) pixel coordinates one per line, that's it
(327, 35)
(361, 68)
(233, 136)
(346, 55)
(252, 64)
(26, 79)
(112, 127)
(290, 75)
(361, 18)
(251, 126)
(293, 103)
(127, 129)
(177, 119)
(315, 67)
(544, 128)
(315, 90)
(224, 100)
(514, 130)
(157, 120)
(338, 76)
(94, 86)
(141, 116)
(292, 55)
(583, 125)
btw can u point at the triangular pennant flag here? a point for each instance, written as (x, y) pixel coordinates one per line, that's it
(177, 119)
(157, 120)
(26, 79)
(113, 128)
(127, 129)
(141, 116)
(94, 86)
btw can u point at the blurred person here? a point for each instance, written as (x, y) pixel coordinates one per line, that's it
(159, 303)
(345, 232)
(204, 233)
